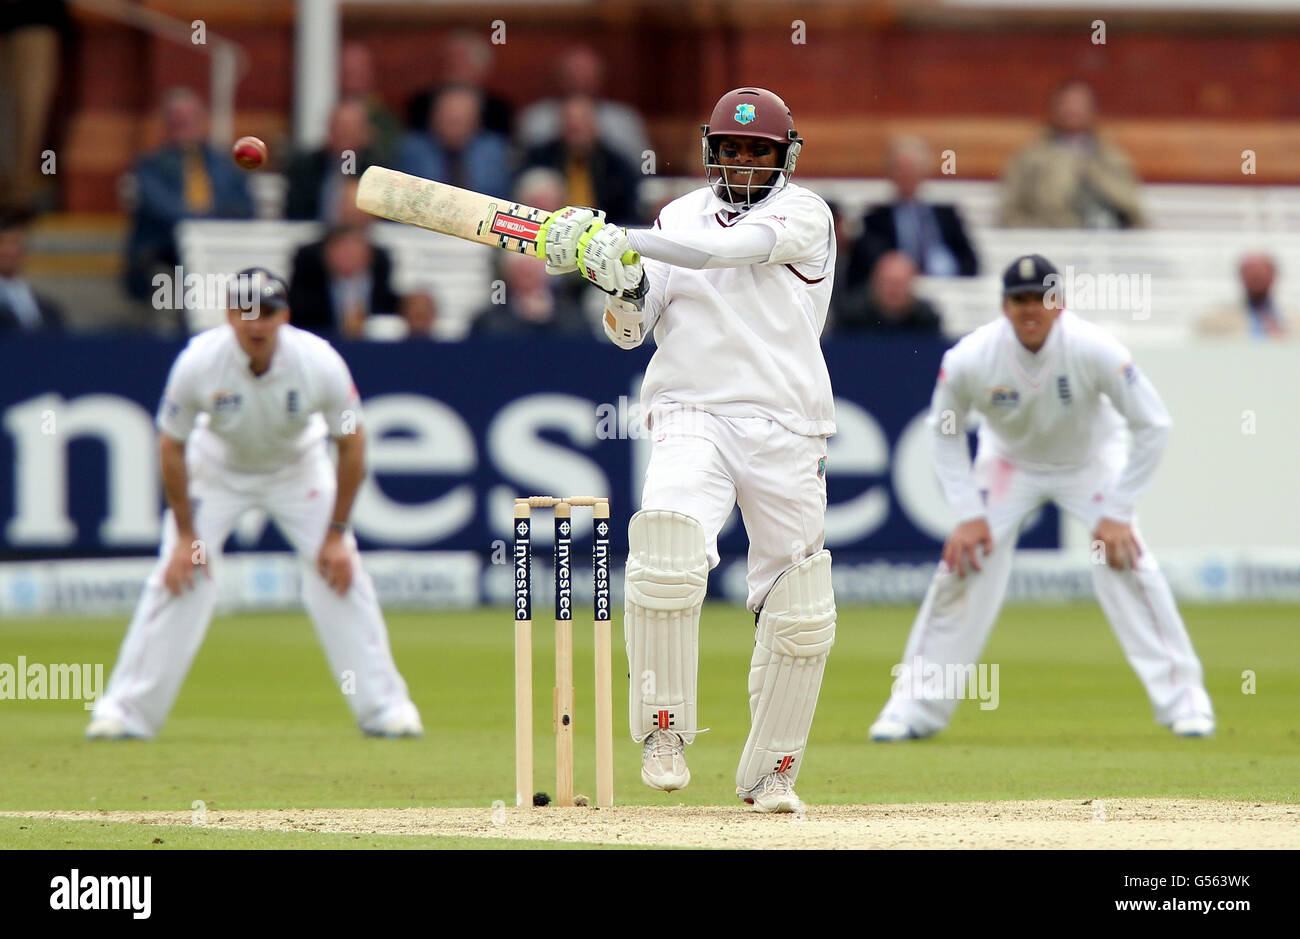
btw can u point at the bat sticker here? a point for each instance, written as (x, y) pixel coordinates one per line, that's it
(512, 226)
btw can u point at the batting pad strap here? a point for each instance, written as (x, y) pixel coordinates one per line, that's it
(667, 573)
(796, 630)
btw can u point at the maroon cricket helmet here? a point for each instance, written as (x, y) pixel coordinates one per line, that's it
(750, 112)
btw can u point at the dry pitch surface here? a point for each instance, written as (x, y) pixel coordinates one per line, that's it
(1119, 823)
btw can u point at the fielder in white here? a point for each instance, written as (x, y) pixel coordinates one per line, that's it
(243, 424)
(735, 279)
(1055, 394)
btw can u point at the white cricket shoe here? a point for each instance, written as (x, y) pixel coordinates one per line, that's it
(107, 728)
(887, 730)
(401, 721)
(1197, 726)
(663, 761)
(773, 793)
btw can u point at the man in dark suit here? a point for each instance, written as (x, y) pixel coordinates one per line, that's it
(339, 281)
(21, 308)
(466, 59)
(594, 173)
(932, 235)
(456, 149)
(888, 306)
(185, 178)
(316, 176)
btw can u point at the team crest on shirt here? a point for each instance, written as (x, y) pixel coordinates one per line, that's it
(1063, 388)
(744, 113)
(1004, 397)
(1129, 371)
(821, 468)
(226, 402)
(291, 402)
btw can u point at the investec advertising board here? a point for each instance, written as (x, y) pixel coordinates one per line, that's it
(455, 432)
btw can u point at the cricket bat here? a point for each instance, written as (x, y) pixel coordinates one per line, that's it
(450, 210)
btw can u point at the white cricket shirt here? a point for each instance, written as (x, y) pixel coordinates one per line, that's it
(745, 341)
(1056, 409)
(258, 423)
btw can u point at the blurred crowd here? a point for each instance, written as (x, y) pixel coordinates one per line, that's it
(573, 148)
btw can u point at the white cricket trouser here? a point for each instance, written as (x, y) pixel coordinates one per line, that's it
(703, 465)
(167, 630)
(957, 614)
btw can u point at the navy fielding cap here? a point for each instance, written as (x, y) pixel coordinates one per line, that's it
(255, 289)
(1028, 274)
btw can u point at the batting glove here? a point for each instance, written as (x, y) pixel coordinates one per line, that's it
(606, 260)
(557, 239)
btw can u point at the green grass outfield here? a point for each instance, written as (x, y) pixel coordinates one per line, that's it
(260, 724)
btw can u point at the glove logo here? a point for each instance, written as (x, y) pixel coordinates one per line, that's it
(744, 113)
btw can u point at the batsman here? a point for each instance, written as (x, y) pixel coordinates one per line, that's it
(734, 280)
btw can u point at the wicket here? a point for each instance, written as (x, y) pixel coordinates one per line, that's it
(564, 696)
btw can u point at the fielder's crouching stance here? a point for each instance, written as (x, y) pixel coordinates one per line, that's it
(735, 282)
(1055, 393)
(263, 395)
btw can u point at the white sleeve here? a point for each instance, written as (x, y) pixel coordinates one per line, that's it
(340, 403)
(803, 228)
(1139, 403)
(952, 462)
(738, 246)
(180, 404)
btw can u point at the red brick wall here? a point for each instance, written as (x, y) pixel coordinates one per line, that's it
(864, 70)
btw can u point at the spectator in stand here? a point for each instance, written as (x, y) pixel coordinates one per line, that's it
(186, 178)
(888, 306)
(595, 174)
(542, 188)
(316, 178)
(531, 306)
(21, 308)
(581, 74)
(343, 278)
(931, 234)
(456, 149)
(29, 68)
(466, 60)
(1072, 178)
(1257, 314)
(357, 81)
(420, 313)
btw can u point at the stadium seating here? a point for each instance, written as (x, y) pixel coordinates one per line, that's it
(456, 273)
(1183, 275)
(1171, 207)
(1187, 258)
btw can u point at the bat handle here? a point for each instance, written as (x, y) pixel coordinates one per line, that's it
(631, 257)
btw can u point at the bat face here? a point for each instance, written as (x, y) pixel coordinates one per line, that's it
(449, 210)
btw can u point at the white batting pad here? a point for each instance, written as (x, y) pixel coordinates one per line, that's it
(796, 629)
(667, 573)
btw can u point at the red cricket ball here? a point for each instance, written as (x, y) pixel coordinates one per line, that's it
(249, 152)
